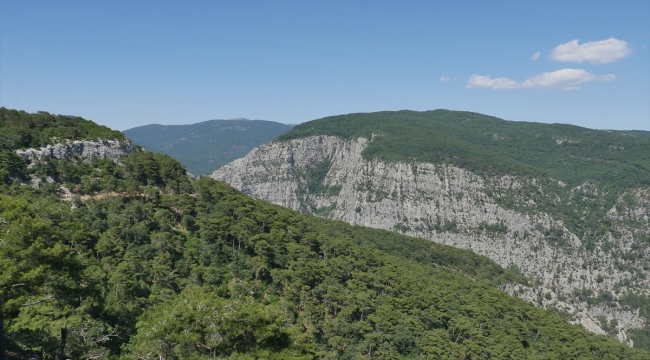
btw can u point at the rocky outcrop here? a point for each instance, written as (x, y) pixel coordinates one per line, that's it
(328, 176)
(84, 149)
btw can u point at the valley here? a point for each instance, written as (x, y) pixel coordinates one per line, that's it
(139, 259)
(584, 267)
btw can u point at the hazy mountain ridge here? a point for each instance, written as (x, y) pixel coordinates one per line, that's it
(205, 146)
(598, 256)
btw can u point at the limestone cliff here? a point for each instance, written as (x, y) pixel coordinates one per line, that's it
(328, 176)
(81, 148)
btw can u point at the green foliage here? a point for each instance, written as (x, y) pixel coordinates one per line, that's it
(158, 170)
(200, 324)
(491, 146)
(636, 301)
(493, 229)
(316, 176)
(477, 267)
(42, 283)
(10, 163)
(603, 297)
(151, 265)
(220, 274)
(140, 170)
(19, 129)
(206, 146)
(641, 338)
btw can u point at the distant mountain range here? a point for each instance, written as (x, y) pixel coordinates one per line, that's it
(206, 146)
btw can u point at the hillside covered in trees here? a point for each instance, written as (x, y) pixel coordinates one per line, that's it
(567, 206)
(144, 263)
(20, 129)
(491, 146)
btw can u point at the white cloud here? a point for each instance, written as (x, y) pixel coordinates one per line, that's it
(444, 79)
(596, 52)
(480, 81)
(535, 56)
(565, 79)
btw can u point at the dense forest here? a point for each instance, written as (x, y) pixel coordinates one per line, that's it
(491, 146)
(144, 263)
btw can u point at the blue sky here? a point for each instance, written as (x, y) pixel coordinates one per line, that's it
(130, 63)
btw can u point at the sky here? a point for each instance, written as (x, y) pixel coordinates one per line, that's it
(130, 63)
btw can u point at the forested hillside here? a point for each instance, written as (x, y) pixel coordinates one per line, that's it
(569, 207)
(33, 132)
(492, 146)
(144, 263)
(208, 145)
(20, 129)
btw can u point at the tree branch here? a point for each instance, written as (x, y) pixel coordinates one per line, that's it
(38, 301)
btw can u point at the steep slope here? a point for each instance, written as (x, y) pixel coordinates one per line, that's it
(149, 264)
(576, 220)
(206, 146)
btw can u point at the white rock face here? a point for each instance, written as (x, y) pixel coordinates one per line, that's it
(83, 148)
(448, 205)
(69, 150)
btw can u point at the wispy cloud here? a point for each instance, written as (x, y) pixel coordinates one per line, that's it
(535, 56)
(595, 52)
(565, 79)
(444, 79)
